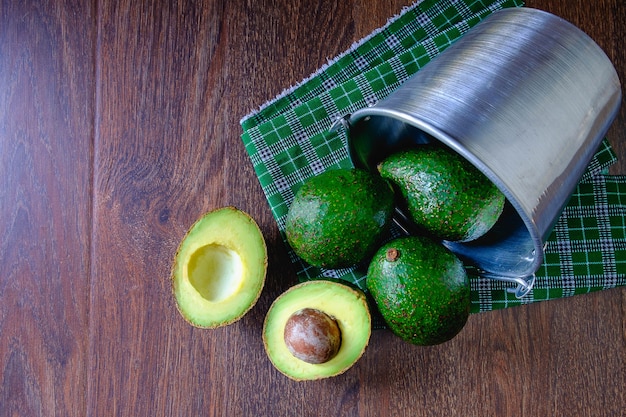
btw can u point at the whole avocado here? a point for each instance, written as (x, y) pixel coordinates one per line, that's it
(443, 192)
(421, 289)
(338, 217)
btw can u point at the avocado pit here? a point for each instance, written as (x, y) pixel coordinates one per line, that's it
(312, 336)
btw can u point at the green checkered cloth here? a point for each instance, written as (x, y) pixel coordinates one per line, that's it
(289, 140)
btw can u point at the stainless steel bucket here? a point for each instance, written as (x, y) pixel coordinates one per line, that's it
(527, 98)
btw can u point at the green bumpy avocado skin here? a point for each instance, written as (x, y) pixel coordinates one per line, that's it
(338, 218)
(443, 192)
(421, 289)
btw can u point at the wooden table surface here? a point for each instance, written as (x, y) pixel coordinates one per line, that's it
(119, 126)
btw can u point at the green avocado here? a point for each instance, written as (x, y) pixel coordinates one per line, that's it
(421, 290)
(317, 329)
(337, 218)
(443, 192)
(219, 268)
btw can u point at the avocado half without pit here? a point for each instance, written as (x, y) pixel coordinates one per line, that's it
(219, 269)
(317, 329)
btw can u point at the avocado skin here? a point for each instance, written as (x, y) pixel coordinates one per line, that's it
(423, 293)
(337, 218)
(443, 192)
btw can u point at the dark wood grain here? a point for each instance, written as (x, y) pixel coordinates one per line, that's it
(46, 145)
(119, 126)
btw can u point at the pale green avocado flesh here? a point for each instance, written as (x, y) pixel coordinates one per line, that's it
(219, 269)
(347, 306)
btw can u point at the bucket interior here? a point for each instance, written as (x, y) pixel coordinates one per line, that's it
(509, 249)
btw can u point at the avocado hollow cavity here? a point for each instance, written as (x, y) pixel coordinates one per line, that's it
(215, 271)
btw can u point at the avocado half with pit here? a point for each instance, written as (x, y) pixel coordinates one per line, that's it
(317, 329)
(219, 269)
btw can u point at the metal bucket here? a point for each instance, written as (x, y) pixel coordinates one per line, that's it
(527, 98)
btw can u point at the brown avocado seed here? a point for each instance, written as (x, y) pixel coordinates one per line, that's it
(312, 336)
